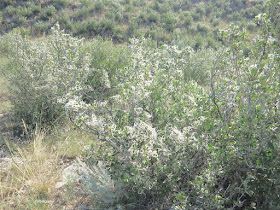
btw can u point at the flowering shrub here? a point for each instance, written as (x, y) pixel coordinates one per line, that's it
(177, 132)
(176, 142)
(151, 124)
(43, 72)
(244, 135)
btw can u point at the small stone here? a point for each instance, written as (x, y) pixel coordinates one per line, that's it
(5, 163)
(60, 184)
(2, 154)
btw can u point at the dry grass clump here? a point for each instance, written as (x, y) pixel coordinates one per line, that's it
(28, 180)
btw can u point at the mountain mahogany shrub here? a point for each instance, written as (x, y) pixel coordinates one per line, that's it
(199, 65)
(43, 72)
(22, 76)
(150, 126)
(109, 57)
(244, 170)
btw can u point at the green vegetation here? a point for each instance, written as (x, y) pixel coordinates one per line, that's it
(121, 20)
(184, 116)
(4, 101)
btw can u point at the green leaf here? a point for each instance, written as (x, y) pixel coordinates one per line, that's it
(270, 144)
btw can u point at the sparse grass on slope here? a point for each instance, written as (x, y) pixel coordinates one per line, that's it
(120, 20)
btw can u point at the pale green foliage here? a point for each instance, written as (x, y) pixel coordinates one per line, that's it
(43, 72)
(95, 181)
(151, 123)
(245, 132)
(164, 129)
(182, 128)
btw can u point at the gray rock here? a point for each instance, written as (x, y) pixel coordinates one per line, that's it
(6, 163)
(2, 154)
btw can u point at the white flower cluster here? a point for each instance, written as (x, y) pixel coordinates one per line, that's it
(177, 136)
(105, 79)
(261, 18)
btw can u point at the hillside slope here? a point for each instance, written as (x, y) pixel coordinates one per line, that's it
(162, 20)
